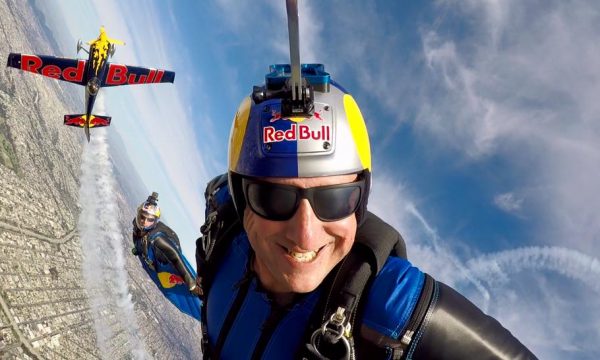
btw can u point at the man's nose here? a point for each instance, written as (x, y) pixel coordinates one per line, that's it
(304, 227)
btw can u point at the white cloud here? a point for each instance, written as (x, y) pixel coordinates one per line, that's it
(533, 304)
(508, 202)
(521, 86)
(571, 263)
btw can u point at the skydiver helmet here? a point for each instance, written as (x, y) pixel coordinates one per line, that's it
(148, 213)
(314, 130)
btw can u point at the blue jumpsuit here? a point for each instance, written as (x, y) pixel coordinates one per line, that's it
(390, 303)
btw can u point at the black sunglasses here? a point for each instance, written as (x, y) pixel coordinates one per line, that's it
(147, 218)
(279, 202)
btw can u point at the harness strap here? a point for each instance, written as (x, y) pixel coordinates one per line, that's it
(243, 287)
(146, 243)
(375, 242)
(330, 328)
(206, 271)
(211, 247)
(381, 240)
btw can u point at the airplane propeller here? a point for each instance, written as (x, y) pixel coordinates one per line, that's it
(80, 47)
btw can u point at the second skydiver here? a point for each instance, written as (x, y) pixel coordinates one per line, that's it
(158, 248)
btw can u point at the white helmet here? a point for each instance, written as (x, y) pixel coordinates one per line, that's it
(148, 211)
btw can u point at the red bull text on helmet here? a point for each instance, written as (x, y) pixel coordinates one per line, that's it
(331, 140)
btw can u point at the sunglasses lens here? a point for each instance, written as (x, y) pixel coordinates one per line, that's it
(280, 202)
(271, 202)
(336, 203)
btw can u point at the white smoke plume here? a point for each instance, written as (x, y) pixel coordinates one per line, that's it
(494, 268)
(447, 256)
(103, 260)
(511, 285)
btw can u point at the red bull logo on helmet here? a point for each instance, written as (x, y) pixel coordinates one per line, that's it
(301, 128)
(275, 115)
(297, 132)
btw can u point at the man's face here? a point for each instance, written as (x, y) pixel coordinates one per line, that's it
(296, 255)
(148, 220)
(145, 220)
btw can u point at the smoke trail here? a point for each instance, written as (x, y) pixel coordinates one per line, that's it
(467, 273)
(103, 260)
(91, 236)
(493, 268)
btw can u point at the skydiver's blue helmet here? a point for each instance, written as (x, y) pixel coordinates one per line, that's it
(323, 134)
(148, 213)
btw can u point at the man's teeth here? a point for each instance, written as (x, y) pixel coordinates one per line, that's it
(303, 256)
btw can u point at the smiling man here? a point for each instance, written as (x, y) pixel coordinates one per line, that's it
(292, 263)
(295, 255)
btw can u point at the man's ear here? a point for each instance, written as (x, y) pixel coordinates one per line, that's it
(247, 217)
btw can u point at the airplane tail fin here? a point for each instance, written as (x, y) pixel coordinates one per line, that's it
(81, 120)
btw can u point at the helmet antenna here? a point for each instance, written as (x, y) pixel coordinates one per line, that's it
(296, 79)
(296, 93)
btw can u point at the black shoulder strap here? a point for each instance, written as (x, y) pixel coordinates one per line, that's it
(382, 239)
(214, 214)
(220, 226)
(329, 333)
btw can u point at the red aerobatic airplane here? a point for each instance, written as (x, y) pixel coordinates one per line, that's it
(94, 73)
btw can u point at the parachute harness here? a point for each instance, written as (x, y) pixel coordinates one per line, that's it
(333, 330)
(145, 244)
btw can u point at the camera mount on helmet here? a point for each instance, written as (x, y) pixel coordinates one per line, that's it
(153, 199)
(278, 85)
(293, 83)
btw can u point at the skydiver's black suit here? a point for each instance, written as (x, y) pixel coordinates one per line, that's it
(166, 248)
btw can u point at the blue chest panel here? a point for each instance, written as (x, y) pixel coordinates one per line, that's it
(390, 302)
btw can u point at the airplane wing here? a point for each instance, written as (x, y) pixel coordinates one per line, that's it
(115, 41)
(71, 70)
(118, 74)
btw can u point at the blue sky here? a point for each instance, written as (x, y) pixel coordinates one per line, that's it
(483, 121)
